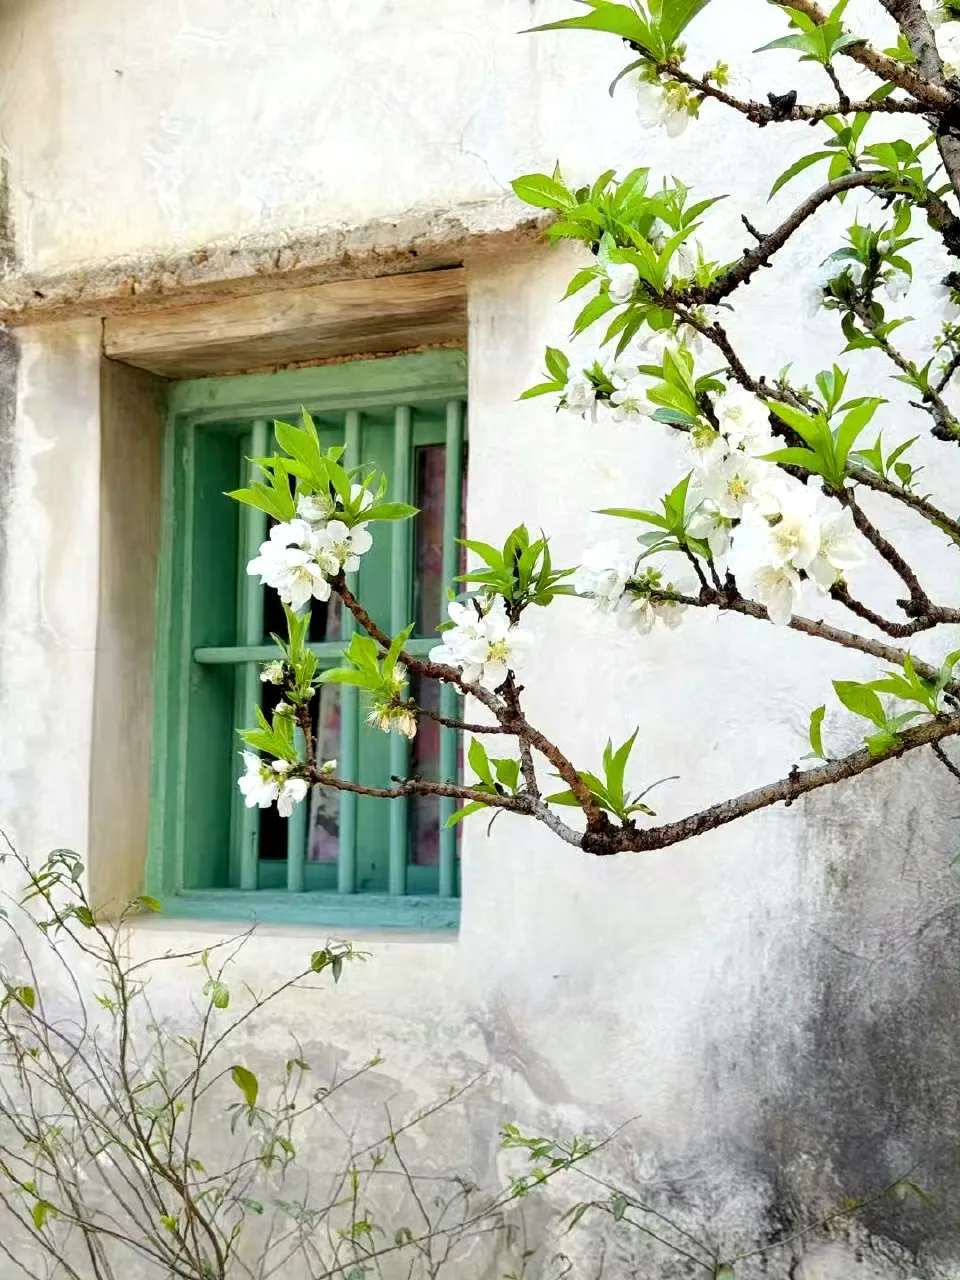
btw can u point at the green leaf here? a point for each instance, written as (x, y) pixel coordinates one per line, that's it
(508, 773)
(558, 363)
(804, 163)
(147, 902)
(816, 731)
(390, 511)
(542, 192)
(591, 313)
(861, 700)
(853, 424)
(541, 389)
(473, 807)
(477, 759)
(628, 513)
(27, 997)
(247, 1083)
(40, 1212)
(218, 992)
(675, 15)
(617, 19)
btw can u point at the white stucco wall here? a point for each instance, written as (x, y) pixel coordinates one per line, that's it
(745, 1000)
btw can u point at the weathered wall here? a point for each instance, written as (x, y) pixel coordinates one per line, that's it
(774, 1007)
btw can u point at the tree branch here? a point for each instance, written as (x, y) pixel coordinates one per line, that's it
(760, 255)
(786, 789)
(913, 21)
(922, 506)
(945, 760)
(764, 113)
(920, 603)
(932, 402)
(517, 722)
(934, 96)
(730, 601)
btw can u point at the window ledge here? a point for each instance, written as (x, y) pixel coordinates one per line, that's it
(349, 911)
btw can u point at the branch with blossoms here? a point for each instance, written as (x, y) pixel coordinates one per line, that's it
(766, 518)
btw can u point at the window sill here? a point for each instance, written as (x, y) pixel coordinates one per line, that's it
(347, 911)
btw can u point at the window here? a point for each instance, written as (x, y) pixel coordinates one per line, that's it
(342, 858)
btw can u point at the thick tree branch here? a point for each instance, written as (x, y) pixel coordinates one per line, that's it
(946, 426)
(729, 600)
(764, 113)
(934, 96)
(922, 506)
(514, 722)
(945, 760)
(788, 789)
(759, 256)
(913, 21)
(920, 604)
(714, 332)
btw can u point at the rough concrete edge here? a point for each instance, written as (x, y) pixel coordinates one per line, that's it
(258, 263)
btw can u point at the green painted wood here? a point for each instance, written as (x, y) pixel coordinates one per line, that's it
(330, 653)
(401, 476)
(208, 780)
(348, 765)
(253, 531)
(421, 378)
(200, 640)
(162, 857)
(297, 838)
(323, 910)
(449, 702)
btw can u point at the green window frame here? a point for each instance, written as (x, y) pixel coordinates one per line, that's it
(204, 858)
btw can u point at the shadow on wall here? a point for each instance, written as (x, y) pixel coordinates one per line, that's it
(871, 1094)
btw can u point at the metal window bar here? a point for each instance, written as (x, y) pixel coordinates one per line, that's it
(251, 651)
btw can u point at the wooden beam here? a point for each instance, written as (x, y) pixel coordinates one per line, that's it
(289, 326)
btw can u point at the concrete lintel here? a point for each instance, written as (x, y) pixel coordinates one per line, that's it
(257, 263)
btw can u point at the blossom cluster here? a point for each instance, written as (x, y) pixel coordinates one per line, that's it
(761, 522)
(266, 781)
(769, 529)
(482, 642)
(614, 380)
(301, 555)
(611, 577)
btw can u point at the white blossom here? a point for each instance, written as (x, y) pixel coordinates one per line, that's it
(673, 113)
(291, 793)
(710, 526)
(778, 589)
(260, 784)
(623, 277)
(744, 421)
(316, 508)
(841, 548)
(603, 573)
(485, 646)
(401, 720)
(339, 547)
(273, 672)
(897, 285)
(794, 538)
(640, 613)
(947, 299)
(580, 393)
(729, 484)
(286, 562)
(706, 448)
(629, 400)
